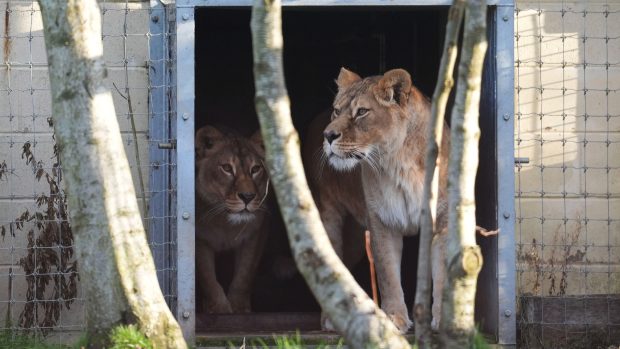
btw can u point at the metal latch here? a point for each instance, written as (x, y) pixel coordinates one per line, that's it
(171, 145)
(521, 161)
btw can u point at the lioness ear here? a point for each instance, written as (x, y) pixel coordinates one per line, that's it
(394, 87)
(346, 78)
(207, 138)
(257, 140)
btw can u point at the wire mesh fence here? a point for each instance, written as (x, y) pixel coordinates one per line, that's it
(40, 293)
(567, 77)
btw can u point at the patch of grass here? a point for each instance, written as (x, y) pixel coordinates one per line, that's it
(129, 337)
(122, 337)
(283, 342)
(480, 342)
(296, 342)
(10, 339)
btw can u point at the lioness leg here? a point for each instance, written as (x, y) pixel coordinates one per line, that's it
(205, 269)
(247, 257)
(332, 217)
(387, 248)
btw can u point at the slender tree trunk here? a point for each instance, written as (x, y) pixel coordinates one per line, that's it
(116, 265)
(352, 312)
(445, 81)
(464, 259)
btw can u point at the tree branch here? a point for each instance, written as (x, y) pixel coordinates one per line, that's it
(445, 81)
(464, 259)
(116, 265)
(351, 311)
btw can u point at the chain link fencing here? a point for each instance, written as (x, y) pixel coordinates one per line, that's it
(567, 77)
(40, 293)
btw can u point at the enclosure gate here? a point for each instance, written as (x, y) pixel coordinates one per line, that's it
(499, 308)
(148, 47)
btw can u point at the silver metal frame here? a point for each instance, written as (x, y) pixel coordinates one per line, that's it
(185, 172)
(159, 203)
(185, 36)
(506, 268)
(315, 3)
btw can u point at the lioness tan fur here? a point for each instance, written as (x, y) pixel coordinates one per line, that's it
(231, 188)
(379, 125)
(338, 196)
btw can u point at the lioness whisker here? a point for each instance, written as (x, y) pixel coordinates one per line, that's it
(373, 157)
(322, 162)
(214, 212)
(265, 210)
(216, 207)
(317, 154)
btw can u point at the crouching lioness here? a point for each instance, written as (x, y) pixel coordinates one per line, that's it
(231, 188)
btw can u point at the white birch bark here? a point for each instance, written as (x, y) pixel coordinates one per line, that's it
(351, 311)
(115, 263)
(464, 259)
(445, 81)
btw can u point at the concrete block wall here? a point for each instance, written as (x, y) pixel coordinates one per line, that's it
(567, 99)
(25, 111)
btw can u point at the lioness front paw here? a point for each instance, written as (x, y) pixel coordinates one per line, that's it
(219, 306)
(401, 321)
(240, 303)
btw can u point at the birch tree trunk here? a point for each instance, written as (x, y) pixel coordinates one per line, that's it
(445, 81)
(464, 259)
(115, 263)
(351, 311)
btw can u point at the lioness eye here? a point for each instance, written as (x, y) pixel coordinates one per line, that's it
(227, 168)
(361, 112)
(336, 111)
(255, 169)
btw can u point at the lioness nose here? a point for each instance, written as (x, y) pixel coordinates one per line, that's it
(246, 197)
(331, 136)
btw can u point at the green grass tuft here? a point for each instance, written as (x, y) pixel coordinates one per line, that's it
(129, 337)
(479, 341)
(283, 342)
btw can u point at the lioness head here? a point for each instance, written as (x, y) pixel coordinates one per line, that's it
(369, 116)
(230, 176)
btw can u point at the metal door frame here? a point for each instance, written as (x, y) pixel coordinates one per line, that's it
(502, 42)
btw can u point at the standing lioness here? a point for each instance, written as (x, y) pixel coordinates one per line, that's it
(381, 123)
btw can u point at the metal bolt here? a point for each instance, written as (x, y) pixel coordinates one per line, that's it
(185, 16)
(507, 313)
(506, 215)
(506, 117)
(155, 19)
(185, 116)
(185, 215)
(186, 314)
(505, 18)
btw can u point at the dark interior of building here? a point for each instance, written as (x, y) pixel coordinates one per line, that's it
(317, 42)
